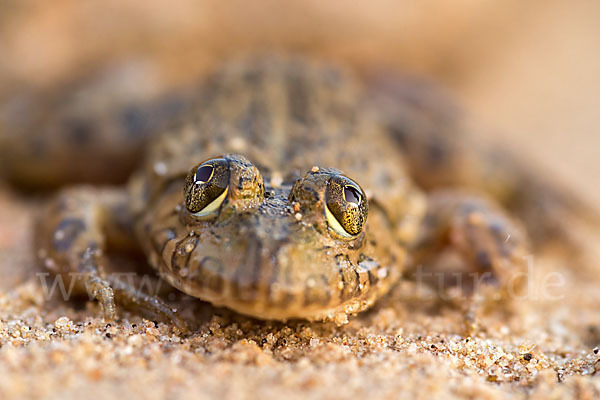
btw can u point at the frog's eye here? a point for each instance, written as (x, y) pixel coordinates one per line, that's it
(346, 206)
(206, 187)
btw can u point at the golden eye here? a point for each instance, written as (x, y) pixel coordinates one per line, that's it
(206, 187)
(346, 207)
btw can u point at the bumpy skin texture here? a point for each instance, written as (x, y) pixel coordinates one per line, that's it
(269, 253)
(91, 130)
(282, 125)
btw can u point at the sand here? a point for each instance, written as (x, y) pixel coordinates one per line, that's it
(411, 343)
(533, 91)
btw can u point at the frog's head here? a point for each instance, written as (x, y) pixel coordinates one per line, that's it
(297, 249)
(232, 183)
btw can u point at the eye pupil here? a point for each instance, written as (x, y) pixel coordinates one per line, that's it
(204, 173)
(346, 207)
(351, 195)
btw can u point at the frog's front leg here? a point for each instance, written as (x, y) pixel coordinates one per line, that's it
(443, 149)
(79, 226)
(486, 239)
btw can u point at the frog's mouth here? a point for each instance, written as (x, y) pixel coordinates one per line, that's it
(270, 264)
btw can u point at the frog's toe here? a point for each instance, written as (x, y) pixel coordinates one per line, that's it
(490, 242)
(136, 300)
(103, 292)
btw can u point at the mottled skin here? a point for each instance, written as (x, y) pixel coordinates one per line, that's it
(286, 127)
(90, 130)
(269, 253)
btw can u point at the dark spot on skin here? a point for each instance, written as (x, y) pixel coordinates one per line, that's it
(93, 246)
(256, 121)
(497, 228)
(253, 77)
(66, 232)
(242, 180)
(400, 135)
(136, 122)
(369, 264)
(122, 216)
(489, 279)
(483, 260)
(364, 258)
(167, 111)
(352, 282)
(79, 133)
(298, 98)
(357, 281)
(310, 194)
(436, 153)
(372, 278)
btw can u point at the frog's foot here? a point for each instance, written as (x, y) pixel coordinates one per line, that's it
(489, 243)
(73, 237)
(97, 287)
(134, 299)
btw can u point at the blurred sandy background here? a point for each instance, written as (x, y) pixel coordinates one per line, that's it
(528, 71)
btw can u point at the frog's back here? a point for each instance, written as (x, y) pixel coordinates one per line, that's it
(283, 114)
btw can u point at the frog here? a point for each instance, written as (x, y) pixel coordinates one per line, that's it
(292, 189)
